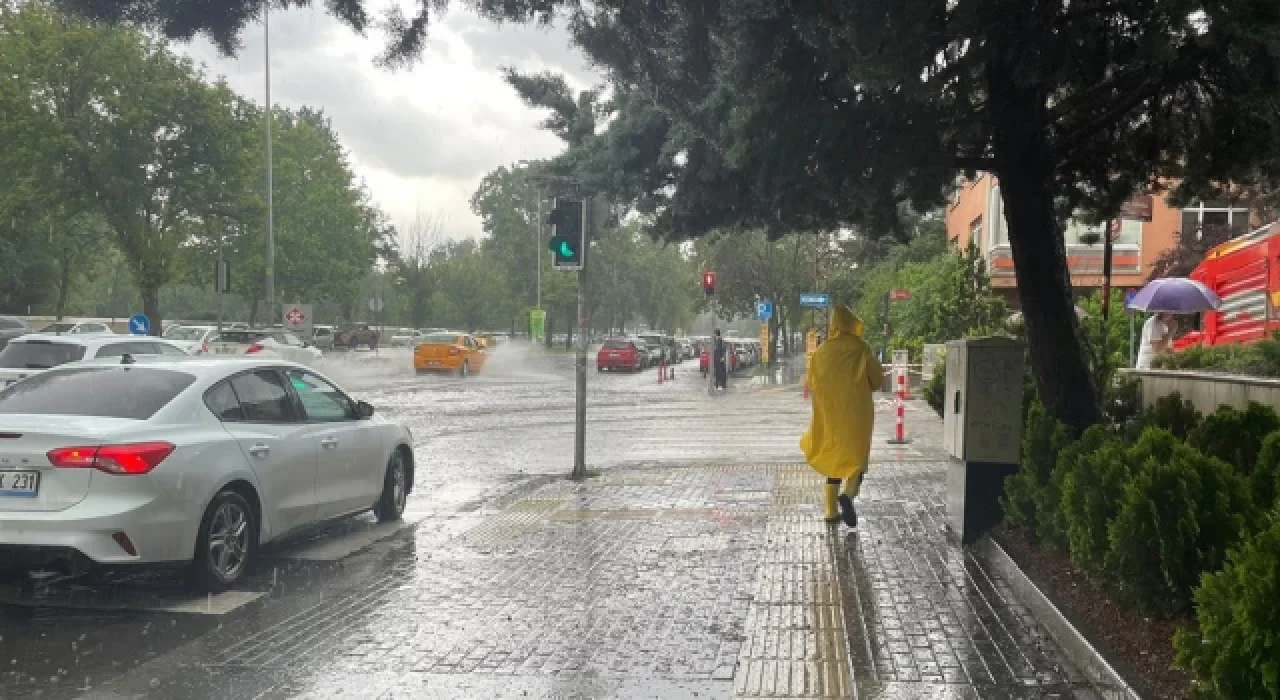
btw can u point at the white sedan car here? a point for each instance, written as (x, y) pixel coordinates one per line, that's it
(195, 460)
(264, 343)
(36, 352)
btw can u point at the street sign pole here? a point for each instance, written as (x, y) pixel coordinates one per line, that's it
(580, 417)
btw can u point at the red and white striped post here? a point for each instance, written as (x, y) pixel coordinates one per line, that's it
(662, 371)
(900, 407)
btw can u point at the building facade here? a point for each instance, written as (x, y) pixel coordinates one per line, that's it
(976, 214)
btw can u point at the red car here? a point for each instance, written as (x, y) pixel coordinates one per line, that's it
(619, 353)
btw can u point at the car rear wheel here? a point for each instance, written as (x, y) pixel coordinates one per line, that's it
(395, 490)
(226, 544)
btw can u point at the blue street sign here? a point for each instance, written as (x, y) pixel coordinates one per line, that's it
(815, 300)
(139, 324)
(764, 310)
(1128, 297)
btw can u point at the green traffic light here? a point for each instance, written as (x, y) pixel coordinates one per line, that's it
(566, 250)
(562, 247)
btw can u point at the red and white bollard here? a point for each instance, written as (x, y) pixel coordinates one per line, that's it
(662, 371)
(900, 407)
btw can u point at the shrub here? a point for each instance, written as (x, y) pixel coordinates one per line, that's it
(1264, 482)
(1174, 414)
(935, 392)
(1235, 436)
(1043, 438)
(1260, 359)
(1122, 401)
(1235, 652)
(1092, 475)
(1177, 519)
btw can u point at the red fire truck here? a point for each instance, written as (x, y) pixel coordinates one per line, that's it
(1245, 273)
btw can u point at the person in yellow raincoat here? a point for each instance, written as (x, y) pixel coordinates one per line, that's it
(842, 374)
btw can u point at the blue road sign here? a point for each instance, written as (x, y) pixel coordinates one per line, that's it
(139, 324)
(764, 310)
(815, 300)
(1128, 297)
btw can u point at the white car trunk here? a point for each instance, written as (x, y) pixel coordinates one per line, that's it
(25, 441)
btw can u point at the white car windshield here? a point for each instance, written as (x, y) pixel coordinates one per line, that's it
(39, 355)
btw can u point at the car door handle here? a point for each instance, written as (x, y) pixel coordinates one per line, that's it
(260, 450)
(329, 443)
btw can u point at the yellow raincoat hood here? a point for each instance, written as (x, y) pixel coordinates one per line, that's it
(842, 375)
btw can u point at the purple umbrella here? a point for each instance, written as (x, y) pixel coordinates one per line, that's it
(1178, 295)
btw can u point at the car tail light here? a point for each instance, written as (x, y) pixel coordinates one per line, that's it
(256, 347)
(135, 458)
(454, 351)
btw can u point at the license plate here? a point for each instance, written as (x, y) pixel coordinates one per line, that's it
(434, 363)
(19, 484)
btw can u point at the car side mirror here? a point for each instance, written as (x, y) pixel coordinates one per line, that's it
(364, 410)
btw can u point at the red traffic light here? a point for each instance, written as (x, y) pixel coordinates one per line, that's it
(709, 281)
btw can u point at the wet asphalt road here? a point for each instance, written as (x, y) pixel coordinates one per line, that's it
(480, 443)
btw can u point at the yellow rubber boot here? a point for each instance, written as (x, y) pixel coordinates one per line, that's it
(830, 502)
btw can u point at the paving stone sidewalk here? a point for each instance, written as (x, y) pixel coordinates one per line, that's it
(670, 582)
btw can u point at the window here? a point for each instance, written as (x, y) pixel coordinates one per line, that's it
(166, 349)
(1214, 217)
(222, 401)
(57, 328)
(975, 232)
(118, 349)
(441, 338)
(999, 225)
(111, 392)
(35, 354)
(321, 401)
(1077, 232)
(263, 397)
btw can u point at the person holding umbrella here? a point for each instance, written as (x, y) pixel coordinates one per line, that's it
(1165, 297)
(1155, 338)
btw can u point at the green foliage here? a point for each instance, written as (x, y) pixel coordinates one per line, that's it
(1234, 652)
(1122, 401)
(1258, 359)
(935, 392)
(1235, 436)
(1264, 482)
(1114, 331)
(1174, 414)
(951, 297)
(1091, 476)
(1177, 519)
(1024, 497)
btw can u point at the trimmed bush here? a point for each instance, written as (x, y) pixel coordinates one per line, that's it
(1043, 438)
(935, 392)
(1235, 652)
(1177, 519)
(1174, 414)
(1092, 476)
(1264, 482)
(1234, 436)
(1122, 401)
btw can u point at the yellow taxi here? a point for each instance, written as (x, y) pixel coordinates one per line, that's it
(446, 351)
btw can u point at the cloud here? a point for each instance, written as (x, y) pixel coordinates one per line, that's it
(421, 138)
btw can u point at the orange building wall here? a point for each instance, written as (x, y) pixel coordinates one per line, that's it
(1130, 268)
(971, 204)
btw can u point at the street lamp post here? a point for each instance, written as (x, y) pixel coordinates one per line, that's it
(271, 234)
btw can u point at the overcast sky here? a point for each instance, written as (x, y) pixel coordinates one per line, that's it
(421, 138)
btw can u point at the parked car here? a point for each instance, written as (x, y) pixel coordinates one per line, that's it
(264, 343)
(72, 328)
(322, 337)
(653, 353)
(355, 335)
(29, 355)
(449, 352)
(11, 327)
(194, 339)
(666, 347)
(620, 353)
(187, 460)
(407, 338)
(686, 348)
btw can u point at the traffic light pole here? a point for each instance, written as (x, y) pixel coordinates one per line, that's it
(580, 422)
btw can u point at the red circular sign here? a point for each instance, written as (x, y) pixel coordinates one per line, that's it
(295, 317)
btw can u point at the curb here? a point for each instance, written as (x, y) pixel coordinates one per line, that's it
(1105, 679)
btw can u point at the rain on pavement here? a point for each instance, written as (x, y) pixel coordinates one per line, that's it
(691, 564)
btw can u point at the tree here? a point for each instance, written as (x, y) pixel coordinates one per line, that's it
(1072, 105)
